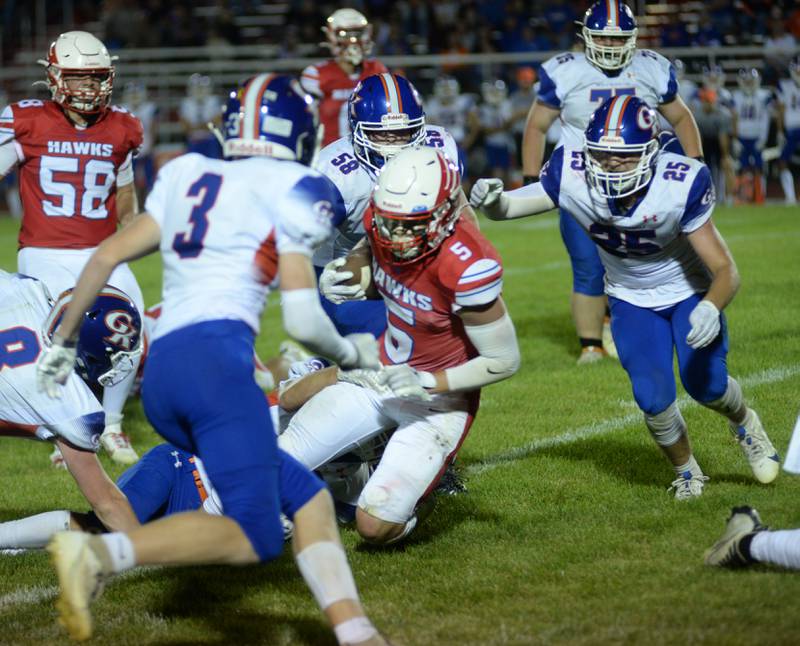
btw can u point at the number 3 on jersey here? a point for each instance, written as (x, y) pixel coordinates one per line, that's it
(190, 244)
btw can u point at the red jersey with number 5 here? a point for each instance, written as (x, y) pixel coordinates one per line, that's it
(67, 175)
(331, 84)
(422, 298)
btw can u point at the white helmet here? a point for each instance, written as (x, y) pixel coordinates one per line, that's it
(414, 204)
(79, 54)
(349, 35)
(494, 92)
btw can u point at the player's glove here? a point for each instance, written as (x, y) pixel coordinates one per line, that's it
(330, 284)
(54, 367)
(487, 195)
(704, 319)
(367, 354)
(408, 383)
(371, 379)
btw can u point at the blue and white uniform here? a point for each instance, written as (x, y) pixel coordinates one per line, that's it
(499, 146)
(788, 94)
(354, 182)
(76, 416)
(753, 112)
(575, 87)
(654, 278)
(223, 225)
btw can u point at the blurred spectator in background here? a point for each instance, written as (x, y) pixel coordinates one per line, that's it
(674, 33)
(521, 101)
(707, 34)
(687, 89)
(134, 99)
(715, 124)
(199, 108)
(415, 16)
(492, 120)
(122, 21)
(223, 30)
(349, 38)
(714, 79)
(449, 108)
(788, 95)
(779, 47)
(559, 17)
(305, 16)
(183, 28)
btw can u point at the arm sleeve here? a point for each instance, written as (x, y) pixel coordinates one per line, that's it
(309, 80)
(498, 357)
(668, 95)
(700, 203)
(550, 175)
(547, 90)
(307, 214)
(8, 147)
(125, 172)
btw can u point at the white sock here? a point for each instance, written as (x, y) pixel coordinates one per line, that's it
(691, 466)
(787, 183)
(33, 532)
(120, 549)
(777, 547)
(114, 397)
(354, 631)
(327, 573)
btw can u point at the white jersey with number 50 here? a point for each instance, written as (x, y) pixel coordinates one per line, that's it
(338, 162)
(569, 83)
(223, 225)
(648, 259)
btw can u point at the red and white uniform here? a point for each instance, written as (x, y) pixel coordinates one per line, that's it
(424, 330)
(333, 86)
(68, 179)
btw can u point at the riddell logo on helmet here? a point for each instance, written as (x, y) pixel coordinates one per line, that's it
(120, 323)
(393, 118)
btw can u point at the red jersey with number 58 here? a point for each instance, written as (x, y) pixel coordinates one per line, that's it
(67, 175)
(422, 298)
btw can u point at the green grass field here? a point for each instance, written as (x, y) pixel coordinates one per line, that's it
(566, 535)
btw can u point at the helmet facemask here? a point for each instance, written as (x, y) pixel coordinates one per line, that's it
(616, 169)
(375, 143)
(410, 237)
(86, 91)
(606, 56)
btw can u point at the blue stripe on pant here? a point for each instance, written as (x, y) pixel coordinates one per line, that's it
(587, 269)
(200, 395)
(645, 340)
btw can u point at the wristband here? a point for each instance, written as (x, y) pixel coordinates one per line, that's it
(529, 179)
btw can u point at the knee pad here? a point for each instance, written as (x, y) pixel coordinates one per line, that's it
(666, 427)
(731, 401)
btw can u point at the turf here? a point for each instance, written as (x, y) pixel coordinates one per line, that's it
(566, 535)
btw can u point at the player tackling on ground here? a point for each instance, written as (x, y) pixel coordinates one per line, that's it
(226, 230)
(669, 274)
(74, 156)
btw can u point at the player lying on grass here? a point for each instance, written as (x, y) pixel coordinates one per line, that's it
(227, 231)
(448, 335)
(107, 345)
(669, 273)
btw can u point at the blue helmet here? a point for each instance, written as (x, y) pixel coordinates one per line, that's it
(622, 130)
(110, 337)
(271, 115)
(749, 80)
(386, 116)
(609, 19)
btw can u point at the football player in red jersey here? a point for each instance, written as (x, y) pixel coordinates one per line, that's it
(349, 37)
(74, 158)
(448, 335)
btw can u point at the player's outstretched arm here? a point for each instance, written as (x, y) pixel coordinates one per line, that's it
(682, 121)
(488, 196)
(540, 118)
(139, 239)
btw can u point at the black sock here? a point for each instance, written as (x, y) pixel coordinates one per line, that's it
(585, 343)
(744, 547)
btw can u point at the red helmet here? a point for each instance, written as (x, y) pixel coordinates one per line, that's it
(349, 35)
(78, 54)
(414, 204)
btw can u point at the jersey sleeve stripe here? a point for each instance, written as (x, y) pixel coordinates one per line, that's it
(473, 274)
(477, 290)
(482, 296)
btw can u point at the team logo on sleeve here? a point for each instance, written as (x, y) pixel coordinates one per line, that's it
(123, 331)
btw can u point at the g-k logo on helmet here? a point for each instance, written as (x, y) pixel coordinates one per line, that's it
(120, 323)
(644, 118)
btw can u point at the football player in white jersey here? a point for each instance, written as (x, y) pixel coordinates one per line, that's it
(227, 231)
(109, 339)
(669, 274)
(494, 115)
(572, 86)
(386, 116)
(789, 127)
(197, 109)
(752, 106)
(449, 108)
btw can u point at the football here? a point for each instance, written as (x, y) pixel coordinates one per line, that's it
(359, 262)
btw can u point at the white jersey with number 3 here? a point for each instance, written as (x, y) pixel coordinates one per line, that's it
(648, 259)
(223, 225)
(569, 83)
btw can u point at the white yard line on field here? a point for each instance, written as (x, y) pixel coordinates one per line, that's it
(771, 376)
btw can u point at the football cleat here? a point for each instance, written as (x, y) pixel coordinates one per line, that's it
(727, 551)
(591, 354)
(688, 486)
(753, 440)
(451, 483)
(80, 581)
(608, 339)
(117, 445)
